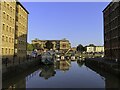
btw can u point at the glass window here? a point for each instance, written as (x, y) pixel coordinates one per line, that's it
(6, 39)
(3, 14)
(11, 9)
(10, 40)
(2, 38)
(7, 28)
(2, 51)
(10, 29)
(4, 4)
(3, 26)
(13, 20)
(10, 19)
(6, 51)
(7, 17)
(8, 6)
(9, 51)
(12, 51)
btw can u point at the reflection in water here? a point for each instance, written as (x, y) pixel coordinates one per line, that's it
(63, 65)
(80, 63)
(47, 71)
(19, 80)
(111, 81)
(78, 75)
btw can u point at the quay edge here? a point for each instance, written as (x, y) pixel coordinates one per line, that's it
(103, 65)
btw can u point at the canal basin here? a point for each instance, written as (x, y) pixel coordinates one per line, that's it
(63, 74)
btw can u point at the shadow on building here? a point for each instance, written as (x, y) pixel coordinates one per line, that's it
(17, 55)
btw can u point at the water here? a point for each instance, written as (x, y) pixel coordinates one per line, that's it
(64, 74)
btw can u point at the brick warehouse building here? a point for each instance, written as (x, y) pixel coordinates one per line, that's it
(14, 28)
(112, 31)
(57, 44)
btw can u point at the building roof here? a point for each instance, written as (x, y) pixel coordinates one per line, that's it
(94, 46)
(22, 6)
(50, 40)
(107, 6)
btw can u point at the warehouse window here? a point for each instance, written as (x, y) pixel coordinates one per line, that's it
(7, 6)
(10, 19)
(7, 28)
(11, 9)
(7, 17)
(2, 51)
(6, 51)
(9, 51)
(3, 38)
(3, 26)
(3, 14)
(10, 29)
(6, 39)
(4, 4)
(10, 40)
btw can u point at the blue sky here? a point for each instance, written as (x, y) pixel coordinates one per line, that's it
(81, 23)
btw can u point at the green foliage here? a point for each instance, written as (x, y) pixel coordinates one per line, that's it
(30, 47)
(80, 48)
(49, 45)
(37, 46)
(85, 49)
(91, 45)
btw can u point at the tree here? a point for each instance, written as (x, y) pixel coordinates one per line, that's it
(91, 45)
(49, 45)
(37, 46)
(30, 47)
(80, 48)
(85, 48)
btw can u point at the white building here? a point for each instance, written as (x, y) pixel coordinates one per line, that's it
(99, 49)
(90, 49)
(96, 49)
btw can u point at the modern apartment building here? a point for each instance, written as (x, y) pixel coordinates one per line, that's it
(112, 31)
(14, 27)
(57, 44)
